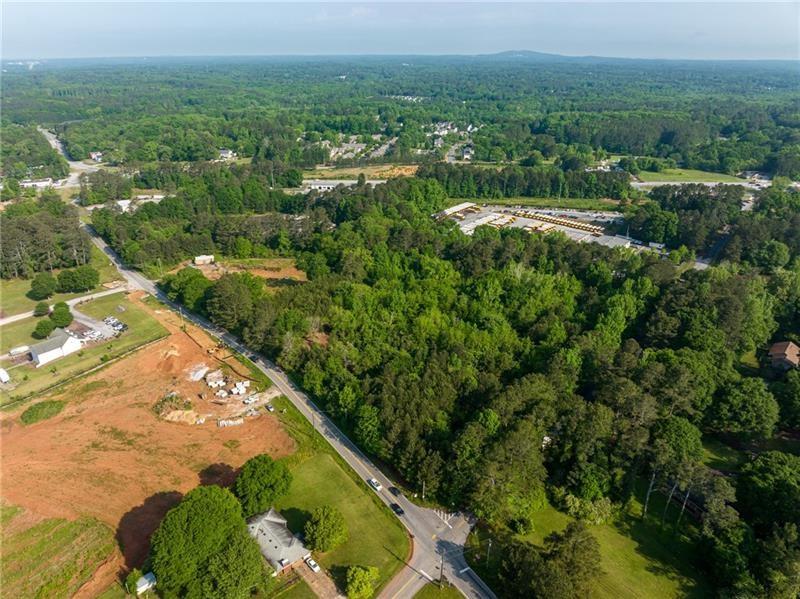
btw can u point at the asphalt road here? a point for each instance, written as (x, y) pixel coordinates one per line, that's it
(438, 539)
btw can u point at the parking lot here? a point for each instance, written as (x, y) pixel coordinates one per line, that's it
(578, 225)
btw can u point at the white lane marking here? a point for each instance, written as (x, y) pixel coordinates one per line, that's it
(425, 574)
(462, 570)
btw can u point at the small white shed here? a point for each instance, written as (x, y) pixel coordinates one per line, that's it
(145, 583)
(4, 378)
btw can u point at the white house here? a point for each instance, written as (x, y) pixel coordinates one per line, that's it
(226, 154)
(57, 345)
(278, 545)
(96, 156)
(4, 378)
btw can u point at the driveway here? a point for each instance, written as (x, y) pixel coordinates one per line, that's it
(320, 582)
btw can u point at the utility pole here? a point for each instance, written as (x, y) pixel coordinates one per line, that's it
(441, 571)
(423, 490)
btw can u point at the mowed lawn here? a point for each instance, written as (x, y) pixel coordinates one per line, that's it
(13, 292)
(142, 328)
(639, 559)
(51, 558)
(676, 175)
(432, 591)
(376, 537)
(17, 333)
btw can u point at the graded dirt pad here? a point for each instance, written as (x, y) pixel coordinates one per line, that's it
(275, 271)
(109, 456)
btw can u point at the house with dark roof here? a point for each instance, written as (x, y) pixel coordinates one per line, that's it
(57, 345)
(785, 355)
(278, 545)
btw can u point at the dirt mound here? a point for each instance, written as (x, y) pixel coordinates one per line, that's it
(109, 455)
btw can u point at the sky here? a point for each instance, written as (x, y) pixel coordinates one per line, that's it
(645, 29)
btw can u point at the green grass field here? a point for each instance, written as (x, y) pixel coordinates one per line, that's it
(143, 328)
(676, 175)
(13, 292)
(376, 538)
(17, 333)
(52, 558)
(722, 457)
(638, 558)
(41, 411)
(320, 477)
(432, 591)
(573, 203)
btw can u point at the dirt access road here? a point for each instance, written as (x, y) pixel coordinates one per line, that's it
(108, 455)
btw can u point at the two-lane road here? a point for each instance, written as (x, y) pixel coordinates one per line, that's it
(436, 540)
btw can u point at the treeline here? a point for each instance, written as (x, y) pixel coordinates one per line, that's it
(514, 181)
(213, 209)
(697, 216)
(27, 154)
(41, 235)
(506, 369)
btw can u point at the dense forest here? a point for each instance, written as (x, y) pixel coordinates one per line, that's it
(26, 154)
(697, 115)
(505, 370)
(41, 235)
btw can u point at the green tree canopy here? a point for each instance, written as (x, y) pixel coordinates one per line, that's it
(260, 483)
(361, 581)
(43, 286)
(326, 529)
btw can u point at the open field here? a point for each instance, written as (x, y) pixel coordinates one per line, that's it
(28, 380)
(638, 558)
(676, 175)
(574, 203)
(50, 558)
(108, 456)
(375, 171)
(17, 333)
(276, 272)
(13, 292)
(374, 539)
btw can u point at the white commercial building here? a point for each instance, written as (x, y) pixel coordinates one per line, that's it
(57, 345)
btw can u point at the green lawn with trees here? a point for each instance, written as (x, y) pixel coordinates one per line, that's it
(142, 328)
(686, 175)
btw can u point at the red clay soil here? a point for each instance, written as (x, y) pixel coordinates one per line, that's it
(109, 456)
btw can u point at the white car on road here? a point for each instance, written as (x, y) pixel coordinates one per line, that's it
(375, 485)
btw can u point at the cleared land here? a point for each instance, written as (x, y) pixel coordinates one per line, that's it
(13, 292)
(52, 557)
(638, 558)
(377, 171)
(574, 203)
(107, 455)
(28, 380)
(276, 272)
(688, 175)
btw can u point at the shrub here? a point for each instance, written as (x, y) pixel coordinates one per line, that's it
(42, 286)
(326, 529)
(82, 278)
(597, 511)
(61, 316)
(43, 328)
(261, 482)
(41, 411)
(41, 309)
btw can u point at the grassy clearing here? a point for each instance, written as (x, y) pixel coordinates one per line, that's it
(677, 175)
(41, 411)
(320, 477)
(13, 292)
(143, 328)
(375, 171)
(298, 590)
(566, 203)
(432, 591)
(18, 333)
(639, 559)
(719, 456)
(52, 558)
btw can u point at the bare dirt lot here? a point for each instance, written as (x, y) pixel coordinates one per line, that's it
(275, 271)
(108, 455)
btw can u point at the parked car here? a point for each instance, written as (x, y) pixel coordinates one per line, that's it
(397, 509)
(375, 485)
(270, 407)
(312, 564)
